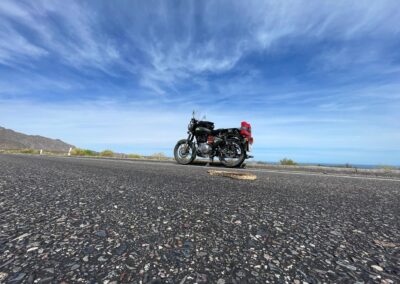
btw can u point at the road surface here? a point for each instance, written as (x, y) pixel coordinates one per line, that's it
(106, 221)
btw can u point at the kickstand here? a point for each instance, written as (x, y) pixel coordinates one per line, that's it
(210, 161)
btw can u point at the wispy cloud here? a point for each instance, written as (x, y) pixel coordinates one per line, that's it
(255, 27)
(195, 39)
(72, 38)
(16, 48)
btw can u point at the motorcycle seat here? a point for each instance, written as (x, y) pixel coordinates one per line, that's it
(225, 130)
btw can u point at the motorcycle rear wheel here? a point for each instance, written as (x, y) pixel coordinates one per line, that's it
(238, 159)
(184, 152)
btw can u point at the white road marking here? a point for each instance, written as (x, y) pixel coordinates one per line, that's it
(321, 175)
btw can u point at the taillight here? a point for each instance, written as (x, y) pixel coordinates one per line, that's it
(251, 140)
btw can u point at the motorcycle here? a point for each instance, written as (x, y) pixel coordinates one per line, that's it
(230, 145)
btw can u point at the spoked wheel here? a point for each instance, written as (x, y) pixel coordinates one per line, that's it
(232, 154)
(184, 152)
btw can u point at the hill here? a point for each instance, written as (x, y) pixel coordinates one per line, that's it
(12, 140)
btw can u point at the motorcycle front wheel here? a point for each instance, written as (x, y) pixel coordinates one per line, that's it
(232, 154)
(184, 152)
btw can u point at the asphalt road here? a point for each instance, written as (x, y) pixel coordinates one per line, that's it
(100, 221)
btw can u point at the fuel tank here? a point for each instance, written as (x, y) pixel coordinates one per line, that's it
(202, 130)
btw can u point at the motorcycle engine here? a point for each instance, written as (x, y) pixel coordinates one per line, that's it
(205, 148)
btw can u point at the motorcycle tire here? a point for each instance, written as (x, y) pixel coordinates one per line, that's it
(241, 158)
(177, 153)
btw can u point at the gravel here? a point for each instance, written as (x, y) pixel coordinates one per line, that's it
(100, 221)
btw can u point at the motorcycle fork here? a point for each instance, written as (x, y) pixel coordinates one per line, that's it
(190, 137)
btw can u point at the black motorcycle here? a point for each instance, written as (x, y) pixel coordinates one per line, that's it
(230, 145)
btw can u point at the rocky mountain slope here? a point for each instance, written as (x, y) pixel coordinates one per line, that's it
(12, 140)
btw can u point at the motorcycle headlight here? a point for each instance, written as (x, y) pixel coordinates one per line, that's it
(190, 126)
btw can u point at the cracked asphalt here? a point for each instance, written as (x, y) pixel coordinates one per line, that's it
(67, 220)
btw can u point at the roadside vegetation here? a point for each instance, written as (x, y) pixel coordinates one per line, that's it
(30, 151)
(134, 156)
(75, 152)
(21, 151)
(107, 153)
(110, 154)
(287, 162)
(83, 152)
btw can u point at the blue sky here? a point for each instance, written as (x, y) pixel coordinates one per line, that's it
(318, 80)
